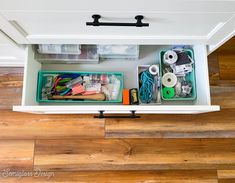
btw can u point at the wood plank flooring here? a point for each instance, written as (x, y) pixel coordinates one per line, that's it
(134, 154)
(201, 176)
(212, 125)
(11, 82)
(226, 176)
(16, 154)
(14, 125)
(154, 149)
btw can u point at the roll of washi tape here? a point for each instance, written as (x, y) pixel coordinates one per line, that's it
(168, 92)
(170, 57)
(154, 70)
(169, 79)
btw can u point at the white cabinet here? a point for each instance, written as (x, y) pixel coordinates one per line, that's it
(10, 53)
(203, 24)
(70, 27)
(170, 21)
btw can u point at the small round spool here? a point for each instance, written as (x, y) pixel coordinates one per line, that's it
(168, 93)
(170, 57)
(154, 70)
(169, 79)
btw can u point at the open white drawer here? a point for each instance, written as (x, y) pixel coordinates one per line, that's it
(148, 55)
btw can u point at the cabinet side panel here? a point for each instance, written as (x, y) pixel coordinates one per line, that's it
(30, 79)
(202, 76)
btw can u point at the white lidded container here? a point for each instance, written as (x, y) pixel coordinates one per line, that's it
(119, 52)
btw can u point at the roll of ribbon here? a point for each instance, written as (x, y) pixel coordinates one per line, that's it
(154, 70)
(170, 57)
(169, 79)
(168, 92)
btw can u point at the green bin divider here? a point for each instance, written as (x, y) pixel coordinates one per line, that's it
(41, 82)
(190, 77)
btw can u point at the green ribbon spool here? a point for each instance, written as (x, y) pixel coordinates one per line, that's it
(168, 92)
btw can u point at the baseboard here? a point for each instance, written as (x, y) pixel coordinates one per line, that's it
(10, 63)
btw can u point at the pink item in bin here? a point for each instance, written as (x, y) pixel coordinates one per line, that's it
(89, 92)
(78, 89)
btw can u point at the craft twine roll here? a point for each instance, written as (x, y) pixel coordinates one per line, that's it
(168, 92)
(169, 79)
(170, 57)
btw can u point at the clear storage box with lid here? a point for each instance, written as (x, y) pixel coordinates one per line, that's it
(118, 52)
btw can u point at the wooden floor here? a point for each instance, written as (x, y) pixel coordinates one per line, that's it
(153, 149)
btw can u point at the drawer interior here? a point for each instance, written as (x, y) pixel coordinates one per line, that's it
(148, 55)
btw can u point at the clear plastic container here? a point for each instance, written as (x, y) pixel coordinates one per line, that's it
(118, 51)
(88, 55)
(115, 97)
(59, 49)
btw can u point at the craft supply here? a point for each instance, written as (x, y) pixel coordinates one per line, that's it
(154, 70)
(74, 82)
(89, 92)
(178, 89)
(159, 90)
(78, 89)
(98, 96)
(99, 78)
(60, 88)
(167, 69)
(183, 58)
(69, 75)
(86, 79)
(186, 87)
(170, 57)
(169, 80)
(93, 87)
(168, 92)
(182, 70)
(107, 90)
(56, 82)
(146, 88)
(49, 81)
(65, 92)
(156, 89)
(134, 97)
(116, 88)
(125, 97)
(64, 81)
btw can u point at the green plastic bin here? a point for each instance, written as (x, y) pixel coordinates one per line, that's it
(190, 77)
(42, 78)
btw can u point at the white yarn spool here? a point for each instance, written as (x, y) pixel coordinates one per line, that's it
(169, 79)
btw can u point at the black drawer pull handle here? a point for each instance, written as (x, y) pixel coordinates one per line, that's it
(138, 23)
(101, 115)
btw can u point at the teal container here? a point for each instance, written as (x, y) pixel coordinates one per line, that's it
(42, 81)
(189, 77)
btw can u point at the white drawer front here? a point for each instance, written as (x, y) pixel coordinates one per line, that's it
(184, 109)
(148, 55)
(70, 27)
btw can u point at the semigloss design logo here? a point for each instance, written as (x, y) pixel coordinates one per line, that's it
(22, 173)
